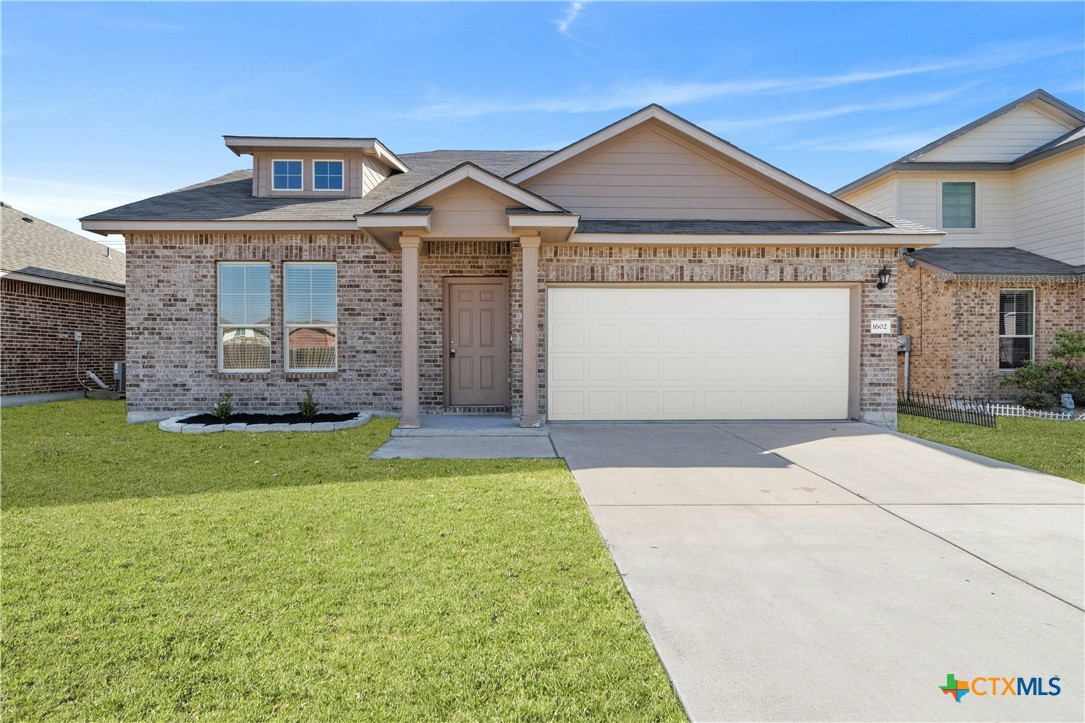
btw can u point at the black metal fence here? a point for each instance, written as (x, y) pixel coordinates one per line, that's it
(966, 410)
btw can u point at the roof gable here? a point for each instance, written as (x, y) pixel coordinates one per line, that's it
(650, 172)
(681, 132)
(1001, 139)
(460, 174)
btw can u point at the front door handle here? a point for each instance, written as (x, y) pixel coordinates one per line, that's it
(451, 353)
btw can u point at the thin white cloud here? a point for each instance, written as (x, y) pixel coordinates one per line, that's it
(730, 125)
(896, 142)
(571, 13)
(641, 93)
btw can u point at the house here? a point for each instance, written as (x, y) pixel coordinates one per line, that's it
(647, 271)
(55, 284)
(1009, 191)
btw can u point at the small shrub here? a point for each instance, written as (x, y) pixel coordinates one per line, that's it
(308, 406)
(1034, 399)
(224, 407)
(1064, 373)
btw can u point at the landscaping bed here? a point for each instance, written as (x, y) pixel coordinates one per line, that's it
(293, 418)
(153, 576)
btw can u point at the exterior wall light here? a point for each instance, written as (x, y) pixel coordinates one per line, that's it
(883, 277)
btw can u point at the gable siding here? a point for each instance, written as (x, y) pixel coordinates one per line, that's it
(469, 209)
(647, 174)
(921, 199)
(1002, 139)
(1049, 214)
(877, 197)
(263, 168)
(372, 173)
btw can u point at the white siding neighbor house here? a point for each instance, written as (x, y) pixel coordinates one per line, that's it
(1009, 191)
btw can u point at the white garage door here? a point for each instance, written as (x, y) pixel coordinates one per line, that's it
(698, 353)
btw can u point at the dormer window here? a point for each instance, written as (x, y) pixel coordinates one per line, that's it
(287, 175)
(328, 175)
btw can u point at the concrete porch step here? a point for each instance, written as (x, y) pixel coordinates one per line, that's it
(471, 425)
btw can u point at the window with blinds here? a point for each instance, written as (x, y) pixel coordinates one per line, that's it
(244, 318)
(1016, 327)
(958, 205)
(310, 316)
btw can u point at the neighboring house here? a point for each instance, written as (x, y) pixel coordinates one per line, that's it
(53, 284)
(1009, 191)
(667, 275)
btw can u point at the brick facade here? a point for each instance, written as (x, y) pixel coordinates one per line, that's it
(172, 327)
(37, 328)
(954, 327)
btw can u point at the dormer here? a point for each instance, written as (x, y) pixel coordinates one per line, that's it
(315, 167)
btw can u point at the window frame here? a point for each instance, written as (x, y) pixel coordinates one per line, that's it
(287, 327)
(1031, 337)
(301, 175)
(342, 174)
(221, 328)
(975, 199)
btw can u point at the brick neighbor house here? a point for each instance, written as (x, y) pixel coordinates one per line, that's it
(1009, 191)
(53, 284)
(648, 271)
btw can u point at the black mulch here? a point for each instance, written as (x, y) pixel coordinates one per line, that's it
(294, 418)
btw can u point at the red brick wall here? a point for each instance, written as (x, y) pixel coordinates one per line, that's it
(954, 328)
(37, 343)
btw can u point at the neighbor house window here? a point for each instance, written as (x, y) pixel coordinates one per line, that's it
(958, 205)
(244, 325)
(1016, 327)
(328, 175)
(310, 316)
(287, 175)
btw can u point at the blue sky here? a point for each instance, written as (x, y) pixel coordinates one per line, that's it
(108, 103)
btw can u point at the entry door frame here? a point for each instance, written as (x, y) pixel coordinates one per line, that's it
(449, 282)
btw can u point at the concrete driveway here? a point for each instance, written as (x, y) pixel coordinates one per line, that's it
(837, 571)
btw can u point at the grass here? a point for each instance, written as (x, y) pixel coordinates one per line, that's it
(1057, 448)
(267, 576)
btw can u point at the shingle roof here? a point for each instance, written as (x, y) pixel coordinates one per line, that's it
(994, 262)
(38, 248)
(668, 226)
(229, 197)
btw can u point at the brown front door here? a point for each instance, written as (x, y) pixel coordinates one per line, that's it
(477, 342)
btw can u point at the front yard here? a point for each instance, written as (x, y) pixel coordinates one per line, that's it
(1057, 448)
(252, 576)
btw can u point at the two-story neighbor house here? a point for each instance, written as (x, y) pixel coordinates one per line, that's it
(1009, 192)
(648, 271)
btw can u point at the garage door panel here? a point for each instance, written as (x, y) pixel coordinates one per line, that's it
(710, 353)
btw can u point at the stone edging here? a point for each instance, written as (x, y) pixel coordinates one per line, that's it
(173, 424)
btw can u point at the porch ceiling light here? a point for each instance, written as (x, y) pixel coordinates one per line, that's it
(883, 277)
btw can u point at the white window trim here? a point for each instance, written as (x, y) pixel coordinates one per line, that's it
(1031, 337)
(288, 160)
(342, 175)
(287, 327)
(220, 327)
(942, 182)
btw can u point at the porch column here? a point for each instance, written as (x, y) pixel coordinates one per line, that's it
(530, 247)
(409, 417)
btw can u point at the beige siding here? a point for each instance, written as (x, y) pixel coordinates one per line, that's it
(469, 209)
(921, 201)
(373, 172)
(877, 197)
(262, 173)
(647, 173)
(1002, 139)
(1050, 207)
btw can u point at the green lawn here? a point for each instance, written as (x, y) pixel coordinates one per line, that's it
(253, 576)
(1057, 448)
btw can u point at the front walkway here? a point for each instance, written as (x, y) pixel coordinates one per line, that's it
(837, 571)
(467, 436)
